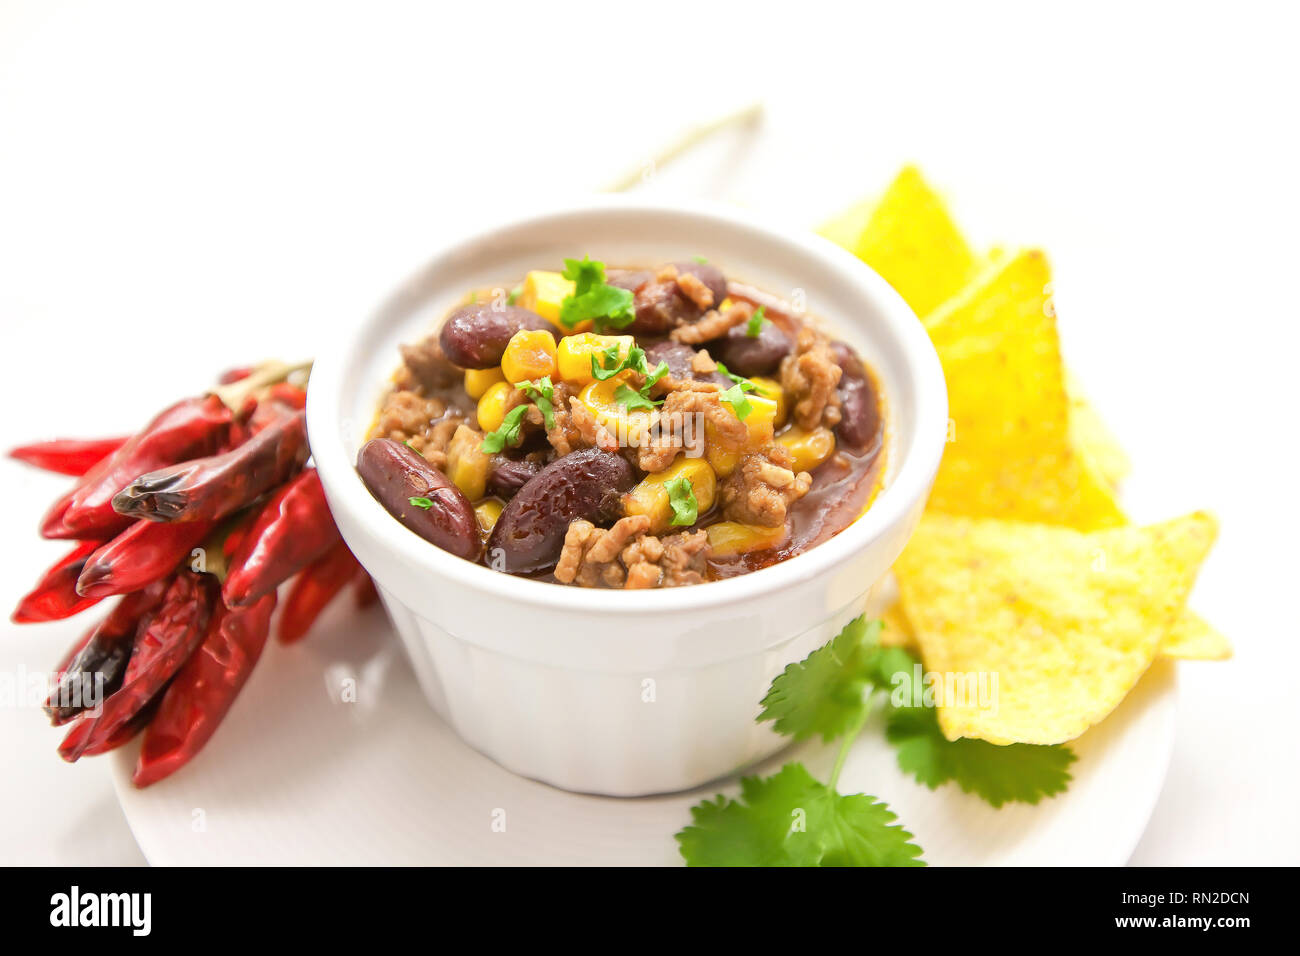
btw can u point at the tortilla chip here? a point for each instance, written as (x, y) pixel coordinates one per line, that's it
(1067, 621)
(1091, 437)
(897, 631)
(911, 240)
(1193, 639)
(1009, 454)
(845, 228)
(1190, 639)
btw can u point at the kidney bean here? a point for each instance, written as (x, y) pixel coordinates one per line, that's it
(661, 306)
(748, 355)
(507, 475)
(395, 474)
(859, 425)
(529, 534)
(678, 356)
(475, 336)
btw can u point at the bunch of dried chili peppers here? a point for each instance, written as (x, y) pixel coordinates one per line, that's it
(193, 523)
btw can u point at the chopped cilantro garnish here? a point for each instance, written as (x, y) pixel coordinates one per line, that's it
(514, 295)
(701, 260)
(681, 498)
(735, 396)
(606, 305)
(421, 502)
(609, 364)
(633, 400)
(754, 327)
(508, 433)
(542, 393)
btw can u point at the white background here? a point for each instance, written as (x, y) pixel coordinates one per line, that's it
(186, 187)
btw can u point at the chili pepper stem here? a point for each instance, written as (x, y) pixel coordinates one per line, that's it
(236, 394)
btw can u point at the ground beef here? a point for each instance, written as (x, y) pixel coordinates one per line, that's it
(714, 325)
(423, 423)
(764, 487)
(575, 425)
(427, 368)
(809, 376)
(695, 290)
(626, 556)
(702, 403)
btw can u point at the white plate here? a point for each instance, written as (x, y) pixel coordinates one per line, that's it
(297, 776)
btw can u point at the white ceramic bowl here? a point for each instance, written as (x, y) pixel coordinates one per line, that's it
(613, 692)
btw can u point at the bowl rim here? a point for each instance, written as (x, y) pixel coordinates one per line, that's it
(904, 485)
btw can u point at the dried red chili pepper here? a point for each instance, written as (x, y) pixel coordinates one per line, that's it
(292, 530)
(103, 651)
(312, 589)
(157, 653)
(206, 489)
(84, 728)
(201, 693)
(290, 395)
(55, 595)
(68, 456)
(195, 426)
(143, 553)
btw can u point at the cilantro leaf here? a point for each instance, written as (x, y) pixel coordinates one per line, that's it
(1017, 773)
(542, 393)
(824, 693)
(514, 295)
(681, 498)
(421, 502)
(790, 819)
(605, 363)
(592, 298)
(735, 396)
(756, 829)
(754, 327)
(651, 378)
(508, 433)
(701, 260)
(859, 830)
(631, 399)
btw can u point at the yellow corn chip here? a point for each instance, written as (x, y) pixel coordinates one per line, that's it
(1010, 454)
(845, 228)
(897, 632)
(1067, 621)
(1192, 639)
(910, 239)
(1091, 437)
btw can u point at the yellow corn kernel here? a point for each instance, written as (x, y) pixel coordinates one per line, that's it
(731, 537)
(487, 513)
(761, 424)
(529, 355)
(467, 463)
(625, 425)
(650, 497)
(575, 351)
(771, 388)
(492, 406)
(809, 448)
(479, 380)
(543, 292)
